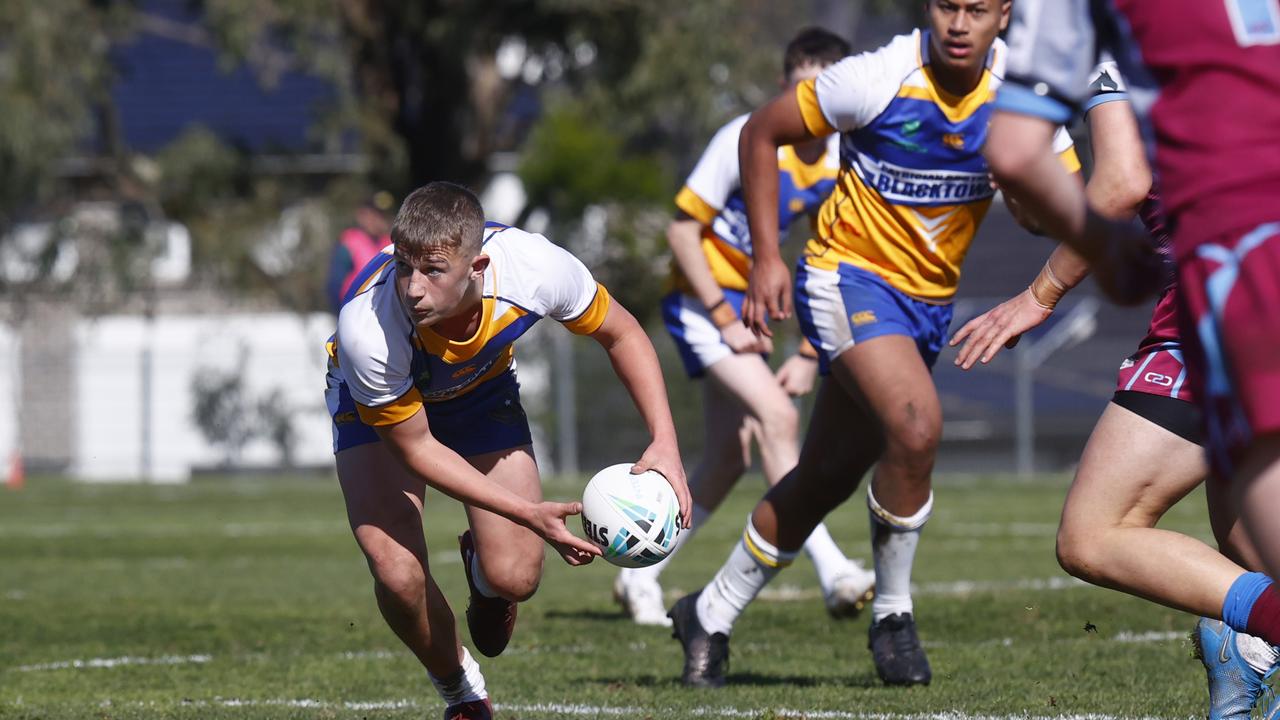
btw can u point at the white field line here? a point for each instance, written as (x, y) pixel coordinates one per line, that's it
(585, 710)
(115, 662)
(793, 593)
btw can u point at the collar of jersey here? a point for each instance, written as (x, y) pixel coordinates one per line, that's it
(956, 107)
(805, 175)
(452, 351)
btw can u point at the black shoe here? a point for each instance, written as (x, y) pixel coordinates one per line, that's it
(706, 656)
(896, 650)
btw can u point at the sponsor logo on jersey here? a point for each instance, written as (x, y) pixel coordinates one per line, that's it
(953, 140)
(1128, 363)
(344, 418)
(1158, 379)
(863, 317)
(461, 372)
(906, 186)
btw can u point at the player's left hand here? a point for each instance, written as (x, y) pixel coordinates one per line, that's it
(1001, 326)
(768, 295)
(664, 459)
(797, 374)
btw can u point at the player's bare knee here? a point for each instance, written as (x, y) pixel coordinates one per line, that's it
(1077, 552)
(779, 424)
(399, 576)
(518, 581)
(514, 577)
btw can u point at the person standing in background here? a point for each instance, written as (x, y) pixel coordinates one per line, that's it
(357, 245)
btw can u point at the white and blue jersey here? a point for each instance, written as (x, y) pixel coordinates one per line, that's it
(383, 368)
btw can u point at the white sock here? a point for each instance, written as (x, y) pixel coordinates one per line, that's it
(827, 558)
(479, 580)
(653, 572)
(751, 565)
(1257, 652)
(893, 546)
(465, 685)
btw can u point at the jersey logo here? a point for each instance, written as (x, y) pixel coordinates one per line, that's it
(910, 186)
(863, 317)
(466, 370)
(1255, 22)
(1106, 83)
(954, 140)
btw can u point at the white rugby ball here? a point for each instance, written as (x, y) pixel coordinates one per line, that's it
(634, 519)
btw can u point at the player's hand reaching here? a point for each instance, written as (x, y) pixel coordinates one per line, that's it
(742, 341)
(1001, 326)
(768, 295)
(797, 374)
(547, 519)
(664, 459)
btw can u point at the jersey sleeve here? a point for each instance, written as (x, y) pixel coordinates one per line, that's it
(715, 177)
(852, 92)
(375, 364)
(1052, 51)
(1065, 148)
(555, 284)
(1106, 84)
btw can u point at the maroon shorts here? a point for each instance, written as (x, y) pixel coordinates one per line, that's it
(1158, 368)
(1229, 290)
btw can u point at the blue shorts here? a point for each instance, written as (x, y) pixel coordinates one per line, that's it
(838, 309)
(696, 337)
(486, 419)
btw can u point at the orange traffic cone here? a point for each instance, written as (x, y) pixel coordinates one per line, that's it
(17, 475)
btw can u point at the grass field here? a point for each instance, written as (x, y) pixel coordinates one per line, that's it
(247, 598)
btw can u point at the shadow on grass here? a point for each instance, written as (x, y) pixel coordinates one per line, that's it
(749, 679)
(586, 614)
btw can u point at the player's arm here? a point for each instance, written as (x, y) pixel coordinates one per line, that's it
(776, 124)
(412, 443)
(1121, 177)
(1003, 325)
(684, 234)
(636, 364)
(1120, 183)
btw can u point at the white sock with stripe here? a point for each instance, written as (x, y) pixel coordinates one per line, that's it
(465, 685)
(893, 546)
(752, 564)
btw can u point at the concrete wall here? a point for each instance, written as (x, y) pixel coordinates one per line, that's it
(132, 424)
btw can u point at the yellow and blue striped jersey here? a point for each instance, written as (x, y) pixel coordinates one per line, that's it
(712, 195)
(913, 184)
(392, 367)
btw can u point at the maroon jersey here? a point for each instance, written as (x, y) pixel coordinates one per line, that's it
(1217, 118)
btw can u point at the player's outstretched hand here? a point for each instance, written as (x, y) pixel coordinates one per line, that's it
(743, 341)
(1001, 326)
(797, 374)
(548, 521)
(768, 295)
(664, 459)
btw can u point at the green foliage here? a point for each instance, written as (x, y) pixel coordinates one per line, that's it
(572, 161)
(52, 75)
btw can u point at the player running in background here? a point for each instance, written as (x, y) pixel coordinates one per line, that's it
(742, 398)
(1144, 454)
(874, 292)
(422, 391)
